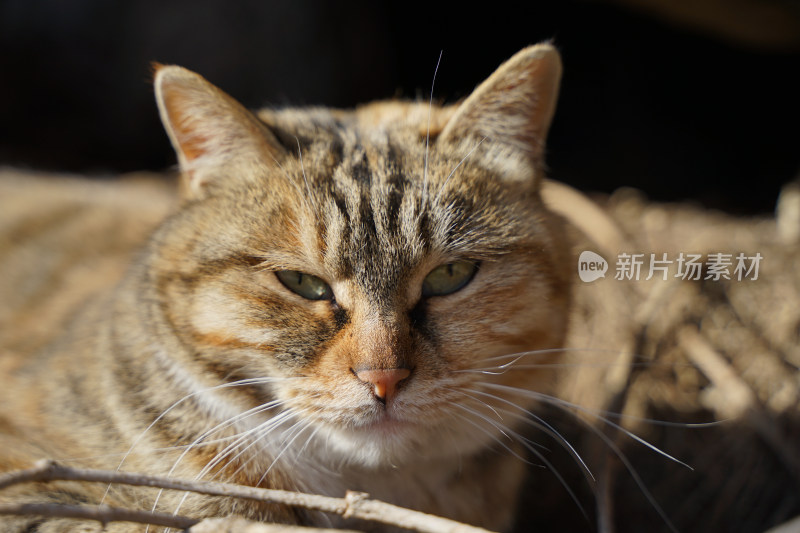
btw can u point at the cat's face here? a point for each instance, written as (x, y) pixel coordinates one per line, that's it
(375, 265)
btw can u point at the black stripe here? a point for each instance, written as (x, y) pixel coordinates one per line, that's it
(423, 228)
(360, 169)
(396, 185)
(342, 260)
(336, 152)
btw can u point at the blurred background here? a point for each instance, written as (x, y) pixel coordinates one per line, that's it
(684, 99)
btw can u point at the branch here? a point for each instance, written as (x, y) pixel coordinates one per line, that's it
(237, 524)
(102, 513)
(353, 505)
(737, 397)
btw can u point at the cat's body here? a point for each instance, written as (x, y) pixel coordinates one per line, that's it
(331, 286)
(372, 300)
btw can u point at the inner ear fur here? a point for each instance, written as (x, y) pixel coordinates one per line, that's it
(209, 130)
(511, 111)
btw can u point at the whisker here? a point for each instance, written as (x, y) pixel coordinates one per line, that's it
(228, 423)
(511, 365)
(634, 474)
(164, 449)
(617, 451)
(223, 425)
(545, 351)
(240, 383)
(287, 435)
(438, 194)
(565, 404)
(303, 168)
(531, 448)
(484, 430)
(503, 369)
(543, 425)
(464, 393)
(264, 430)
(308, 441)
(229, 449)
(548, 351)
(286, 447)
(259, 431)
(428, 134)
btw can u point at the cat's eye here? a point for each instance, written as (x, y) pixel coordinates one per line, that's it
(306, 285)
(448, 278)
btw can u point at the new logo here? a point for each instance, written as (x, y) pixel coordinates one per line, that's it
(591, 266)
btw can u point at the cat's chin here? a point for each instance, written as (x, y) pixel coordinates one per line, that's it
(392, 443)
(377, 444)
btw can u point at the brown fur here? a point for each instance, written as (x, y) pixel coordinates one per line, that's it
(116, 343)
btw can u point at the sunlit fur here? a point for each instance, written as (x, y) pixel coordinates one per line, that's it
(201, 363)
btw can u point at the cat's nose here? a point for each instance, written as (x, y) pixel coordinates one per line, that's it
(383, 381)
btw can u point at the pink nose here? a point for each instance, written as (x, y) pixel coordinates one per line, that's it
(383, 381)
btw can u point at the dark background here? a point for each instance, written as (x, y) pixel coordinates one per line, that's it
(690, 101)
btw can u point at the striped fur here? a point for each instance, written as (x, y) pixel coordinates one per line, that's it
(194, 340)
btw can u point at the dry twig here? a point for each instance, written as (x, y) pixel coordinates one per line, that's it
(353, 505)
(102, 513)
(237, 524)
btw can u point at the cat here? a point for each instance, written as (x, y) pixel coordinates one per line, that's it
(328, 303)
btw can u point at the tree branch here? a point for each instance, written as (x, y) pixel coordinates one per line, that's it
(102, 513)
(237, 524)
(353, 505)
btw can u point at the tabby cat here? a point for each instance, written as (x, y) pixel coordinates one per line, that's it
(329, 304)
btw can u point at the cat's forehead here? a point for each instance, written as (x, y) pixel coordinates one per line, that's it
(407, 121)
(375, 211)
(378, 201)
(378, 150)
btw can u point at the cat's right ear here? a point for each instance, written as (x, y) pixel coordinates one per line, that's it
(511, 111)
(213, 134)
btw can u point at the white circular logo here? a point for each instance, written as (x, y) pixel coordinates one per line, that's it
(591, 266)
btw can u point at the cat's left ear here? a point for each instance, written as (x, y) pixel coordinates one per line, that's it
(214, 136)
(510, 112)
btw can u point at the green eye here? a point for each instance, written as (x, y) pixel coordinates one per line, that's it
(448, 278)
(305, 285)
